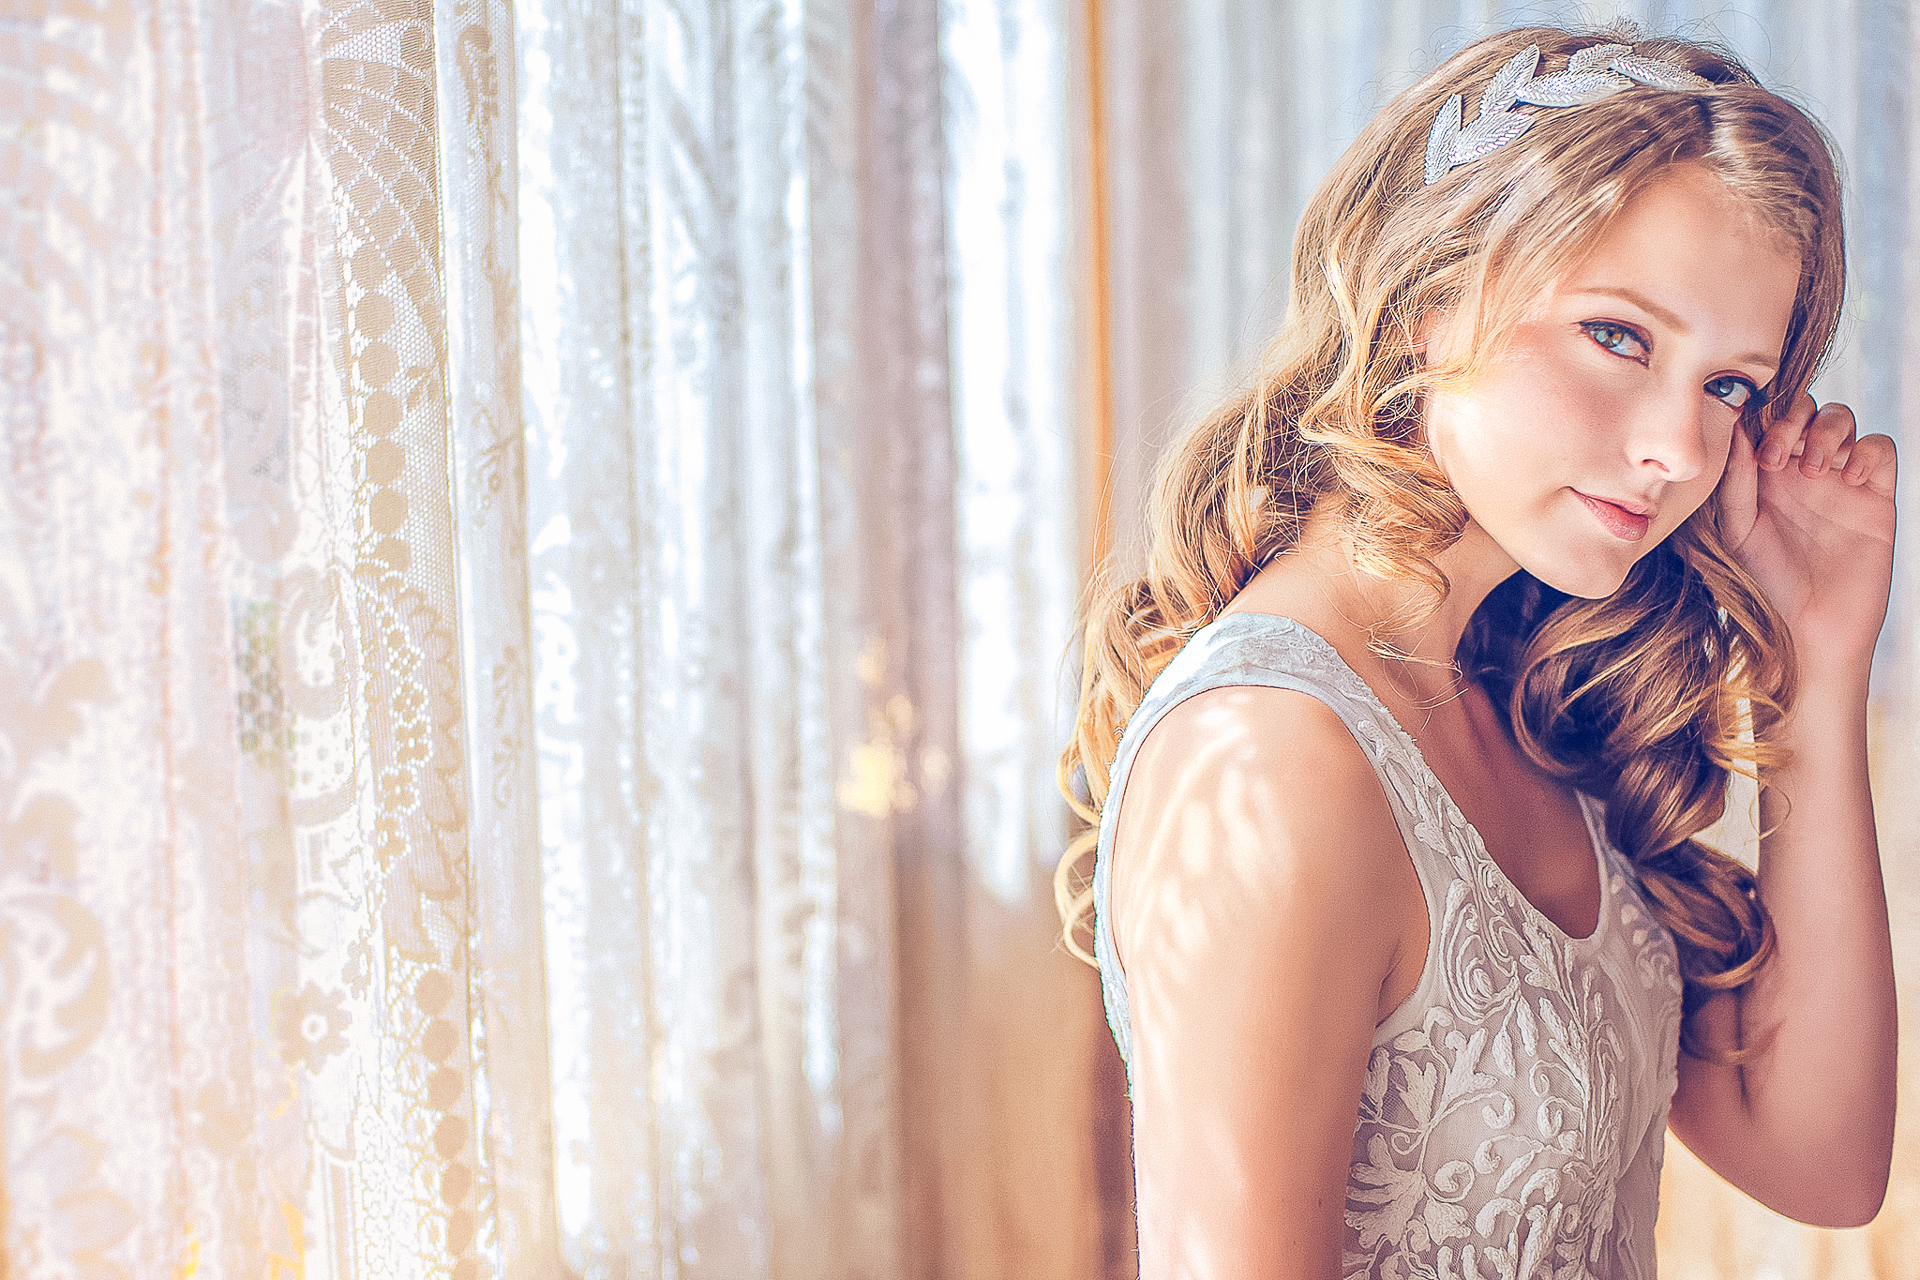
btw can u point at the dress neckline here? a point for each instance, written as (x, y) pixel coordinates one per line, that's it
(1476, 846)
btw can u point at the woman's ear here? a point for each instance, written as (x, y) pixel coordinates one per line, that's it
(1436, 336)
(1422, 334)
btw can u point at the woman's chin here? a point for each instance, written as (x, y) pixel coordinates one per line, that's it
(1591, 580)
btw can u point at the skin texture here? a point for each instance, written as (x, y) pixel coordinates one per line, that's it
(1260, 886)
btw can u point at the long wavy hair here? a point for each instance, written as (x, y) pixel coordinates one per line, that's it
(1639, 699)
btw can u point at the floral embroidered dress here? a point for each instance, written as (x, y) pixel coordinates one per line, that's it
(1514, 1112)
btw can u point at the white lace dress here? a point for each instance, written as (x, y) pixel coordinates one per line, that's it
(1515, 1106)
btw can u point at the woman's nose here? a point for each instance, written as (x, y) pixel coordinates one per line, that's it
(1670, 436)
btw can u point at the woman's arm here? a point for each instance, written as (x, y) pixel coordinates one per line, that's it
(1262, 902)
(1807, 1126)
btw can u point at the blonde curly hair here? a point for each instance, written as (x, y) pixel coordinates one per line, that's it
(1639, 698)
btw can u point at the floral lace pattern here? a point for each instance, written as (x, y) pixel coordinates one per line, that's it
(1513, 1115)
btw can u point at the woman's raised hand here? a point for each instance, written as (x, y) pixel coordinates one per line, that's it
(1811, 517)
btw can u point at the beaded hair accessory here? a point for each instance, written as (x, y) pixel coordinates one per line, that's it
(1595, 72)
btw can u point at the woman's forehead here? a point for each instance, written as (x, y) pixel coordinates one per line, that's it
(1696, 258)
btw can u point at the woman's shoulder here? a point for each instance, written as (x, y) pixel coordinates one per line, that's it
(1259, 713)
(1259, 731)
(1254, 944)
(1256, 801)
(1255, 649)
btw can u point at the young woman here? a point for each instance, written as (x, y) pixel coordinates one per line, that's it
(1450, 629)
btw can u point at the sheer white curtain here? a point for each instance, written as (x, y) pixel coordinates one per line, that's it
(801, 576)
(534, 567)
(268, 999)
(1223, 114)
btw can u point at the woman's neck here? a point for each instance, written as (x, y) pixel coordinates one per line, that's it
(1395, 621)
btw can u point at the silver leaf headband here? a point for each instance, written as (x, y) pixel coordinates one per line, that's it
(1595, 72)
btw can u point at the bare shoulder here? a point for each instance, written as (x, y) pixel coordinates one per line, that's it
(1247, 799)
(1262, 905)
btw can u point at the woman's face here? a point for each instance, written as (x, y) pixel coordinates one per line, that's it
(1609, 419)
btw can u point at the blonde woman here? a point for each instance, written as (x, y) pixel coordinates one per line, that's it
(1449, 630)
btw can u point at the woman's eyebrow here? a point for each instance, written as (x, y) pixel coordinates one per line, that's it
(1671, 320)
(1642, 301)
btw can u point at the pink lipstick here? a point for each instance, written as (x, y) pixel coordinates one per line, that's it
(1626, 525)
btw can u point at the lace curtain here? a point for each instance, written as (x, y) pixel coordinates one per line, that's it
(533, 583)
(1221, 117)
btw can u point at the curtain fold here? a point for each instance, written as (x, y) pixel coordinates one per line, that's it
(715, 1112)
(843, 592)
(475, 83)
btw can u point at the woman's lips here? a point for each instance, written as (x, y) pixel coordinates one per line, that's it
(1628, 526)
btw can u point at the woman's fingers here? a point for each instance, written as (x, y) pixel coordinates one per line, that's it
(1781, 438)
(1820, 436)
(1827, 440)
(1739, 490)
(1871, 460)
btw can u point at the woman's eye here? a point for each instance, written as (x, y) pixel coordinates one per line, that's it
(1736, 393)
(1616, 338)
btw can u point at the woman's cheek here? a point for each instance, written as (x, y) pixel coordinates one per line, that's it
(1719, 454)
